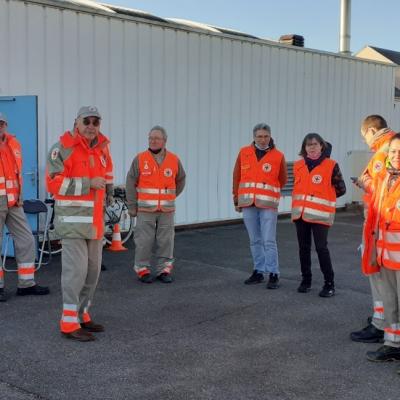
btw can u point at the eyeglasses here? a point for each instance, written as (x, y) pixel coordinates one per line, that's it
(94, 121)
(3, 123)
(155, 139)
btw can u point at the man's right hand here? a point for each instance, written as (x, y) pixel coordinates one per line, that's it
(98, 183)
(238, 209)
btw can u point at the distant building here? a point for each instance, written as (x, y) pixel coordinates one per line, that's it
(386, 56)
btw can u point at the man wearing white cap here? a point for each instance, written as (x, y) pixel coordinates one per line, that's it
(12, 214)
(79, 175)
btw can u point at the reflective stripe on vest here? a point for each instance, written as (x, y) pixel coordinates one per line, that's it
(66, 211)
(65, 184)
(156, 189)
(388, 249)
(259, 179)
(309, 191)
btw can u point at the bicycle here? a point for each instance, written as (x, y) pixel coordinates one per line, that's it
(117, 213)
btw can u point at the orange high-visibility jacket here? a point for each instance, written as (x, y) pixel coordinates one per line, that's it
(377, 162)
(382, 227)
(314, 197)
(71, 165)
(11, 170)
(259, 180)
(156, 187)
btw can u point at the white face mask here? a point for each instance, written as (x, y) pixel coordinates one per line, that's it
(261, 148)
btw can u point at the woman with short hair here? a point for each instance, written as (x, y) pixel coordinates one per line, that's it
(317, 183)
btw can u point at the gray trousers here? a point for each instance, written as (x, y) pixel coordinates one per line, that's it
(81, 264)
(24, 243)
(378, 317)
(390, 290)
(154, 228)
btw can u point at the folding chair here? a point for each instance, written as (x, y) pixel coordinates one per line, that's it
(35, 207)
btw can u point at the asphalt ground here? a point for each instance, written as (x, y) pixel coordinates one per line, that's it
(205, 336)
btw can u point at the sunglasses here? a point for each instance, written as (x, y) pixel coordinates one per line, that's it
(94, 121)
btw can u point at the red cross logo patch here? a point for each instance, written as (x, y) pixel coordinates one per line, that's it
(267, 167)
(168, 172)
(317, 179)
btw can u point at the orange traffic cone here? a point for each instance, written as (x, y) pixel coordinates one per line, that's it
(116, 244)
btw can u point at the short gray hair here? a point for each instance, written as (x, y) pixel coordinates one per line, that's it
(261, 125)
(161, 129)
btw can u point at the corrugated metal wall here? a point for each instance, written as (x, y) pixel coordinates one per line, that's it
(207, 90)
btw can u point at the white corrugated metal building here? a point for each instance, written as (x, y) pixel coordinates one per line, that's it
(206, 87)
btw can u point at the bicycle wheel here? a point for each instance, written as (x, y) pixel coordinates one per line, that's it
(118, 214)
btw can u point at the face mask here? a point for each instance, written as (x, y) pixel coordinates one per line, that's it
(261, 148)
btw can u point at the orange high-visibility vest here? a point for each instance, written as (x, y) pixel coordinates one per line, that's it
(259, 180)
(156, 188)
(314, 197)
(382, 228)
(10, 169)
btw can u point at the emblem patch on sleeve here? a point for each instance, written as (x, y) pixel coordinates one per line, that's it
(378, 166)
(54, 153)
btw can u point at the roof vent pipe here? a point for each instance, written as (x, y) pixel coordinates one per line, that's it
(345, 22)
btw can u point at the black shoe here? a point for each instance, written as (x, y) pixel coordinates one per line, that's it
(79, 335)
(305, 287)
(165, 278)
(92, 327)
(273, 281)
(35, 290)
(147, 278)
(255, 277)
(384, 353)
(3, 295)
(328, 290)
(369, 334)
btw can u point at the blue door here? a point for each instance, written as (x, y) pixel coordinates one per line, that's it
(21, 113)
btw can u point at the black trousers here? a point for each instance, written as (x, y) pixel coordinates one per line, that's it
(320, 233)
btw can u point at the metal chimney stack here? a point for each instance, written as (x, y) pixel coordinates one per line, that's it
(345, 22)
